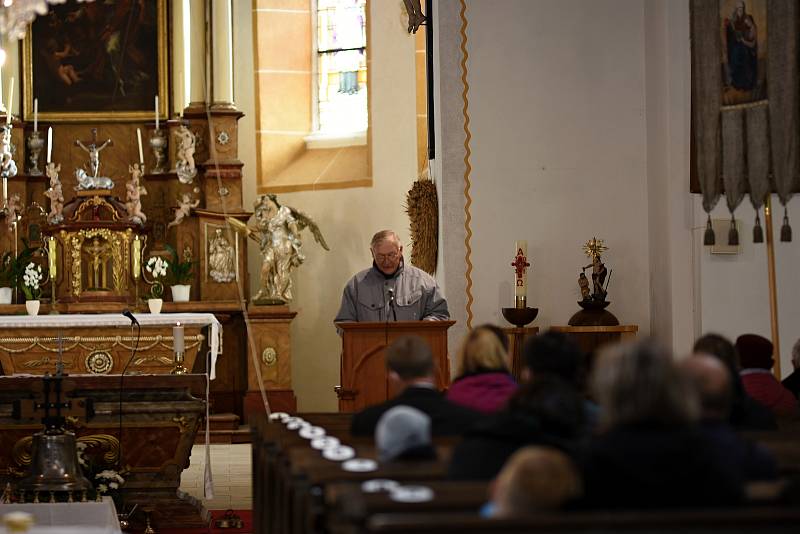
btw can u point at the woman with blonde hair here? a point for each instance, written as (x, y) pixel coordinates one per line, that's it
(484, 383)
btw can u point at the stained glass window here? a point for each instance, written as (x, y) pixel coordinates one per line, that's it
(341, 66)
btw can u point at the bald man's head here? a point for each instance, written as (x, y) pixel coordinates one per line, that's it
(712, 381)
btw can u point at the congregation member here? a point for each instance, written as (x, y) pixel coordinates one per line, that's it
(650, 453)
(713, 383)
(755, 356)
(745, 413)
(556, 354)
(534, 480)
(483, 381)
(390, 290)
(409, 362)
(545, 412)
(403, 433)
(792, 382)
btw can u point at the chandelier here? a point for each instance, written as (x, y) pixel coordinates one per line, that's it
(16, 15)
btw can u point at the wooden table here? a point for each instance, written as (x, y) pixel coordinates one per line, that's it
(591, 338)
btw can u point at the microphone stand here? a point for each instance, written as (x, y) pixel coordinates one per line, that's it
(134, 322)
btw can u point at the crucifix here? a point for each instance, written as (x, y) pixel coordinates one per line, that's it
(93, 150)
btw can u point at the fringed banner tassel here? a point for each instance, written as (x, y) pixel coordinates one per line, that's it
(708, 237)
(758, 232)
(733, 233)
(786, 230)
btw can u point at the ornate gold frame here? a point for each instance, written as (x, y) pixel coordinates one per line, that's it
(120, 242)
(101, 114)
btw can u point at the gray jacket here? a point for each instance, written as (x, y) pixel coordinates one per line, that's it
(366, 297)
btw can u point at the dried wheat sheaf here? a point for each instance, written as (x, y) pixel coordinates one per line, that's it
(422, 206)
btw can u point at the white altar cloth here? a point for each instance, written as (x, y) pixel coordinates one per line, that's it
(68, 518)
(119, 320)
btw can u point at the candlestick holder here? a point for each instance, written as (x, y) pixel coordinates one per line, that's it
(35, 146)
(178, 367)
(158, 143)
(520, 317)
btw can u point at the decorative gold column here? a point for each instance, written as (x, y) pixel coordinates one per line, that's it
(221, 55)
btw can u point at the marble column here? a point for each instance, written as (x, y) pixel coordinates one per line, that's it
(197, 54)
(222, 54)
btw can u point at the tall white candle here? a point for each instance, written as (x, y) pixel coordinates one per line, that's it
(5, 190)
(177, 338)
(139, 140)
(156, 112)
(35, 114)
(10, 99)
(50, 144)
(521, 268)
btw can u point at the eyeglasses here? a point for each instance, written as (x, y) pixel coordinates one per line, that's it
(383, 257)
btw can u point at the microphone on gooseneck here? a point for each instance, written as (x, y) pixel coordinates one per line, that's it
(134, 321)
(391, 304)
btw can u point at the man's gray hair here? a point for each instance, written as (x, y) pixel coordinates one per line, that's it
(385, 235)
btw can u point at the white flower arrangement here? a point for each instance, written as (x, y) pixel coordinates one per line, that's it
(108, 480)
(31, 280)
(157, 267)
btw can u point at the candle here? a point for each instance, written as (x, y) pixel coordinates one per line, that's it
(49, 144)
(520, 273)
(10, 99)
(139, 139)
(177, 338)
(137, 257)
(35, 114)
(156, 112)
(5, 190)
(51, 257)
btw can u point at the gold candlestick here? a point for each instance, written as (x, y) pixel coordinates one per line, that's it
(178, 367)
(52, 264)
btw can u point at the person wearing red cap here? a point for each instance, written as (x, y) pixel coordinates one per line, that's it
(755, 357)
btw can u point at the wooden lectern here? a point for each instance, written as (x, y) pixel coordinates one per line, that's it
(363, 377)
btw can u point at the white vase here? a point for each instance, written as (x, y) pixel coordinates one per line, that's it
(32, 306)
(180, 293)
(155, 305)
(5, 295)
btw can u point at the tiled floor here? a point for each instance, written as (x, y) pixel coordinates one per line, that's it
(230, 470)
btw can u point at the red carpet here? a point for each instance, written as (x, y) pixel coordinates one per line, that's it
(245, 515)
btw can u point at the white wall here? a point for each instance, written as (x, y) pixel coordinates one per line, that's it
(347, 217)
(557, 108)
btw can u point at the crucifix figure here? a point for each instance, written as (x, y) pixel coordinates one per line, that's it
(94, 152)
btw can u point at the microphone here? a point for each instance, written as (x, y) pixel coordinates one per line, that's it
(127, 313)
(391, 304)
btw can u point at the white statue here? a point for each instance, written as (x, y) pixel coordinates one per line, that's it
(221, 259)
(8, 167)
(185, 206)
(55, 194)
(86, 182)
(278, 234)
(184, 166)
(134, 192)
(94, 152)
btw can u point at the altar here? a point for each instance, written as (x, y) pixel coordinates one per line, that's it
(107, 343)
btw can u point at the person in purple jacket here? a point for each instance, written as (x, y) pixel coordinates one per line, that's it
(484, 383)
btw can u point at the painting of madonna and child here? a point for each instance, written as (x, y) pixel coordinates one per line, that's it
(743, 34)
(92, 60)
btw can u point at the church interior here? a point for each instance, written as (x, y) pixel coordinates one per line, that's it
(190, 185)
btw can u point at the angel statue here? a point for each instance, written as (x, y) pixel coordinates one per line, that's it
(278, 235)
(13, 210)
(55, 194)
(8, 167)
(134, 192)
(185, 206)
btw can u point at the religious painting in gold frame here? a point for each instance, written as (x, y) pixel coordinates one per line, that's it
(743, 45)
(97, 61)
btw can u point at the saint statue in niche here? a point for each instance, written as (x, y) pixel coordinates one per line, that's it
(221, 258)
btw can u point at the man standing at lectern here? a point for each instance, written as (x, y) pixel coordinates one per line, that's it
(390, 290)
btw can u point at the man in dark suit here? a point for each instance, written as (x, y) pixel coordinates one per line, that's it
(409, 361)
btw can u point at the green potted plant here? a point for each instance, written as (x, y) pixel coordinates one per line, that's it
(8, 278)
(179, 275)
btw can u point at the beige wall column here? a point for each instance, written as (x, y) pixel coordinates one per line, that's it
(179, 45)
(197, 53)
(222, 54)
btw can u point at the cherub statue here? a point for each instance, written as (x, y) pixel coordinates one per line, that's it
(184, 166)
(13, 209)
(55, 194)
(134, 192)
(278, 235)
(185, 206)
(8, 167)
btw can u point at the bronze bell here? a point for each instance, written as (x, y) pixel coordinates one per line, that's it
(54, 464)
